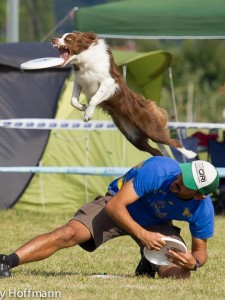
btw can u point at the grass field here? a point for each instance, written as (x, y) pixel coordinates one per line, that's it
(70, 273)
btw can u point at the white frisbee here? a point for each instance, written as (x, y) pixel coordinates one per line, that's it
(42, 63)
(158, 257)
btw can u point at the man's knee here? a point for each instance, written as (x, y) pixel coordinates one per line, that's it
(173, 272)
(72, 233)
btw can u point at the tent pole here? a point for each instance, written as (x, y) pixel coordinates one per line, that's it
(175, 107)
(60, 23)
(12, 28)
(125, 72)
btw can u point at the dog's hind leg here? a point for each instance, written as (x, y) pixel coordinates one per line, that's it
(105, 91)
(134, 135)
(187, 153)
(143, 145)
(175, 144)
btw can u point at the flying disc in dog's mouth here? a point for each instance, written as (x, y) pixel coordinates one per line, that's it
(64, 52)
(42, 63)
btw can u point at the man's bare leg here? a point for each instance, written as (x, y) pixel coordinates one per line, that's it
(44, 245)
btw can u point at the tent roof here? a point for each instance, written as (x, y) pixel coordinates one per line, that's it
(144, 71)
(154, 19)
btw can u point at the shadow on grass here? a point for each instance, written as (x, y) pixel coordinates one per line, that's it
(64, 273)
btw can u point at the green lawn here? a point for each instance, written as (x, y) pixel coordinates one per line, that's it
(70, 272)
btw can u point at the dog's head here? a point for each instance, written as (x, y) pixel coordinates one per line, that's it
(72, 44)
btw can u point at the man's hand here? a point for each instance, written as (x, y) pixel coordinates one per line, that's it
(152, 240)
(183, 260)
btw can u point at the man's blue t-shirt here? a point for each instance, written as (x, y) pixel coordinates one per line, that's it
(157, 204)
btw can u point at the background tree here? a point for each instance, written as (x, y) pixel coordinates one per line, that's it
(37, 17)
(198, 75)
(2, 21)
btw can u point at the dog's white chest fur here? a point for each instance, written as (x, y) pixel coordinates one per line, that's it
(93, 78)
(94, 66)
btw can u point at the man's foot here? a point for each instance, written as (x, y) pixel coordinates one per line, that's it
(4, 267)
(145, 268)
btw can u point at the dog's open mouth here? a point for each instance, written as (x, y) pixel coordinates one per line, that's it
(64, 52)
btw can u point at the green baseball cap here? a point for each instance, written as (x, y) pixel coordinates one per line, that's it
(200, 176)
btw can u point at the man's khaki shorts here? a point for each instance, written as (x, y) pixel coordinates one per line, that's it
(103, 228)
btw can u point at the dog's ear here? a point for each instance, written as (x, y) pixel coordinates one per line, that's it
(91, 36)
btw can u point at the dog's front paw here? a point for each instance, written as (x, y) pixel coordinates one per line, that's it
(88, 114)
(75, 103)
(87, 118)
(81, 107)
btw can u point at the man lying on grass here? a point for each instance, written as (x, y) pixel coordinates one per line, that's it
(143, 203)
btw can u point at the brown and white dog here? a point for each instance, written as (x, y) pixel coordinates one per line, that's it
(97, 75)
